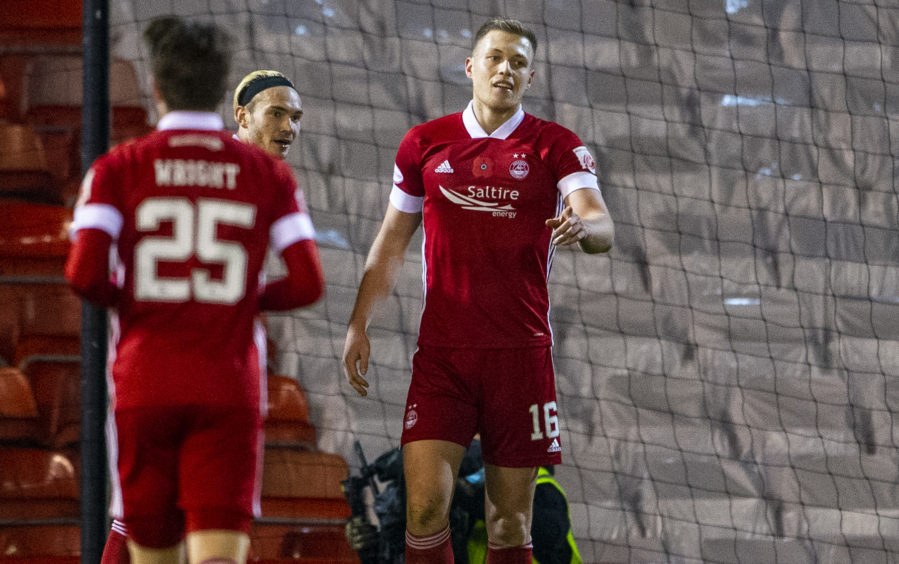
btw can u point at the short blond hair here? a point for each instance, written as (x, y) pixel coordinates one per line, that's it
(250, 78)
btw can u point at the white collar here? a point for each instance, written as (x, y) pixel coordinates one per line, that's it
(191, 120)
(502, 132)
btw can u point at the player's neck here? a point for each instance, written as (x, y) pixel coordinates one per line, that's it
(489, 118)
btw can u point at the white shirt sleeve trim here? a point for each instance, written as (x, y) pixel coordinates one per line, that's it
(289, 229)
(97, 216)
(576, 181)
(404, 202)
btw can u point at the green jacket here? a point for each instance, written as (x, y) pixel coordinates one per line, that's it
(477, 543)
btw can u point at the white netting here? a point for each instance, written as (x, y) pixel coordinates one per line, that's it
(726, 373)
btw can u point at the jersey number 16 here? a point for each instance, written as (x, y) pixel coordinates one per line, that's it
(550, 421)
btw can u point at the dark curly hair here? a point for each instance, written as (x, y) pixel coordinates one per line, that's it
(190, 62)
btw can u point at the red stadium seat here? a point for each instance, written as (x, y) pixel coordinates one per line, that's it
(12, 67)
(37, 484)
(34, 239)
(49, 309)
(59, 127)
(43, 345)
(18, 410)
(127, 122)
(41, 21)
(23, 165)
(288, 422)
(298, 484)
(36, 309)
(56, 382)
(41, 543)
(302, 544)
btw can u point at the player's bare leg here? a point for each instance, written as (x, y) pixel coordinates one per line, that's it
(145, 555)
(217, 547)
(430, 469)
(508, 511)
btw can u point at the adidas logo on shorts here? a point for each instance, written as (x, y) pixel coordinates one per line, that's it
(444, 167)
(554, 447)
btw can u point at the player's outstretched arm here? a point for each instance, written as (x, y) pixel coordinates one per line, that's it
(586, 221)
(304, 283)
(385, 259)
(87, 267)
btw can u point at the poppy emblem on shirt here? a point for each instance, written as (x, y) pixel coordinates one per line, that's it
(519, 167)
(482, 167)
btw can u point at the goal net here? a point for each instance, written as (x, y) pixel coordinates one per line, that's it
(725, 374)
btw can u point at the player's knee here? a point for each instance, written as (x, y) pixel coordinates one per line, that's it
(217, 547)
(140, 554)
(425, 516)
(508, 530)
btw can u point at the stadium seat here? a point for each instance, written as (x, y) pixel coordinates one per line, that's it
(49, 309)
(126, 122)
(54, 22)
(18, 410)
(298, 484)
(287, 423)
(37, 484)
(43, 345)
(41, 543)
(56, 384)
(34, 239)
(23, 165)
(303, 544)
(60, 126)
(36, 310)
(56, 78)
(12, 69)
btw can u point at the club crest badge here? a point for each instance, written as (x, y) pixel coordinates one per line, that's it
(586, 159)
(519, 167)
(411, 418)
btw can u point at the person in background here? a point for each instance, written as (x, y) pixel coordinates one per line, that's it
(267, 109)
(551, 532)
(497, 192)
(551, 528)
(189, 213)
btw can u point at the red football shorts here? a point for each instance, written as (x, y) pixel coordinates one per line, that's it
(506, 395)
(187, 468)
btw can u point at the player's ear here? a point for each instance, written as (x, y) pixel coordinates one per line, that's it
(468, 67)
(240, 116)
(162, 107)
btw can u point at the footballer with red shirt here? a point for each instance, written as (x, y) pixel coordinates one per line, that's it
(170, 232)
(496, 190)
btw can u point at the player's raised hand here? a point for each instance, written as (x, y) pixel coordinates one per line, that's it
(567, 228)
(355, 358)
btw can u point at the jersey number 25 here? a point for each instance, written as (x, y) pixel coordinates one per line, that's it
(194, 233)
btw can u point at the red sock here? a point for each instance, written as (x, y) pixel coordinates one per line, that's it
(513, 555)
(432, 549)
(116, 549)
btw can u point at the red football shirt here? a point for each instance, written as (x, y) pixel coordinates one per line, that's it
(191, 213)
(484, 200)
